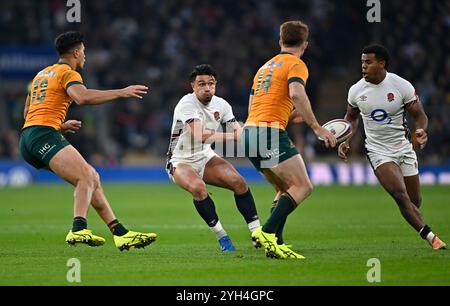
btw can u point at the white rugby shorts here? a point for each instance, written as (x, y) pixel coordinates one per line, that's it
(406, 161)
(198, 164)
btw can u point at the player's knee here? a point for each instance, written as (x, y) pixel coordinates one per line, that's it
(91, 177)
(198, 189)
(306, 188)
(400, 196)
(301, 191)
(238, 184)
(96, 178)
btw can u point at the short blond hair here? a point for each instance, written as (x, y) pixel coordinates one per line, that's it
(293, 33)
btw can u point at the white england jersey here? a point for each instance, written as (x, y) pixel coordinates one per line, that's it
(382, 108)
(211, 116)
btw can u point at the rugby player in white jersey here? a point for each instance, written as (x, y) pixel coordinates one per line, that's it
(192, 163)
(383, 99)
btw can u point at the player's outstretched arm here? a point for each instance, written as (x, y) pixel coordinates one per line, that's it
(352, 116)
(415, 109)
(301, 102)
(83, 96)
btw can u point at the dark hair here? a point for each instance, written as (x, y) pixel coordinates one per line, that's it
(381, 53)
(293, 33)
(203, 69)
(65, 42)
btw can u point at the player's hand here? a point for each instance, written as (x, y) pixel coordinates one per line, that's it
(342, 151)
(134, 91)
(328, 138)
(421, 137)
(71, 126)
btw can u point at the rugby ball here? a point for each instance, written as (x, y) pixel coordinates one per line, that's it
(340, 128)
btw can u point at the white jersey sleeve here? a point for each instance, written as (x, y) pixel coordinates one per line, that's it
(228, 112)
(407, 90)
(185, 111)
(351, 98)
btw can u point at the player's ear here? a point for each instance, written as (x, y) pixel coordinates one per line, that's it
(305, 45)
(76, 52)
(280, 43)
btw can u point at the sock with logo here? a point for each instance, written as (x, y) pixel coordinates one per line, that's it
(246, 206)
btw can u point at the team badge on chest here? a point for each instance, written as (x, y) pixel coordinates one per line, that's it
(216, 116)
(390, 97)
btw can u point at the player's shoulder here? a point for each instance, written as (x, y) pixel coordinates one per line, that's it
(187, 99)
(62, 68)
(293, 60)
(398, 81)
(219, 100)
(64, 71)
(186, 102)
(357, 86)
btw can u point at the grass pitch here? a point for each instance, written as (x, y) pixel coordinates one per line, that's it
(338, 229)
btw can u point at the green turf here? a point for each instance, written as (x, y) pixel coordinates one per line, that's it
(338, 229)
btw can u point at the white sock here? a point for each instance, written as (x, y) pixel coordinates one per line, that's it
(252, 226)
(218, 230)
(430, 237)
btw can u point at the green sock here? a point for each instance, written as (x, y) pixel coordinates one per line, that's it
(117, 228)
(280, 229)
(285, 206)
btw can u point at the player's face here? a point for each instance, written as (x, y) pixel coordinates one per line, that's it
(204, 87)
(80, 56)
(371, 67)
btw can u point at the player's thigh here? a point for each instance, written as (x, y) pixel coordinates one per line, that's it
(292, 172)
(412, 184)
(391, 178)
(71, 166)
(221, 173)
(187, 178)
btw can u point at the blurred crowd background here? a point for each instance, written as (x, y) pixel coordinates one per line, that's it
(157, 43)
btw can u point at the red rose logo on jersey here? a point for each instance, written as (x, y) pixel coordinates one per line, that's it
(217, 116)
(390, 97)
